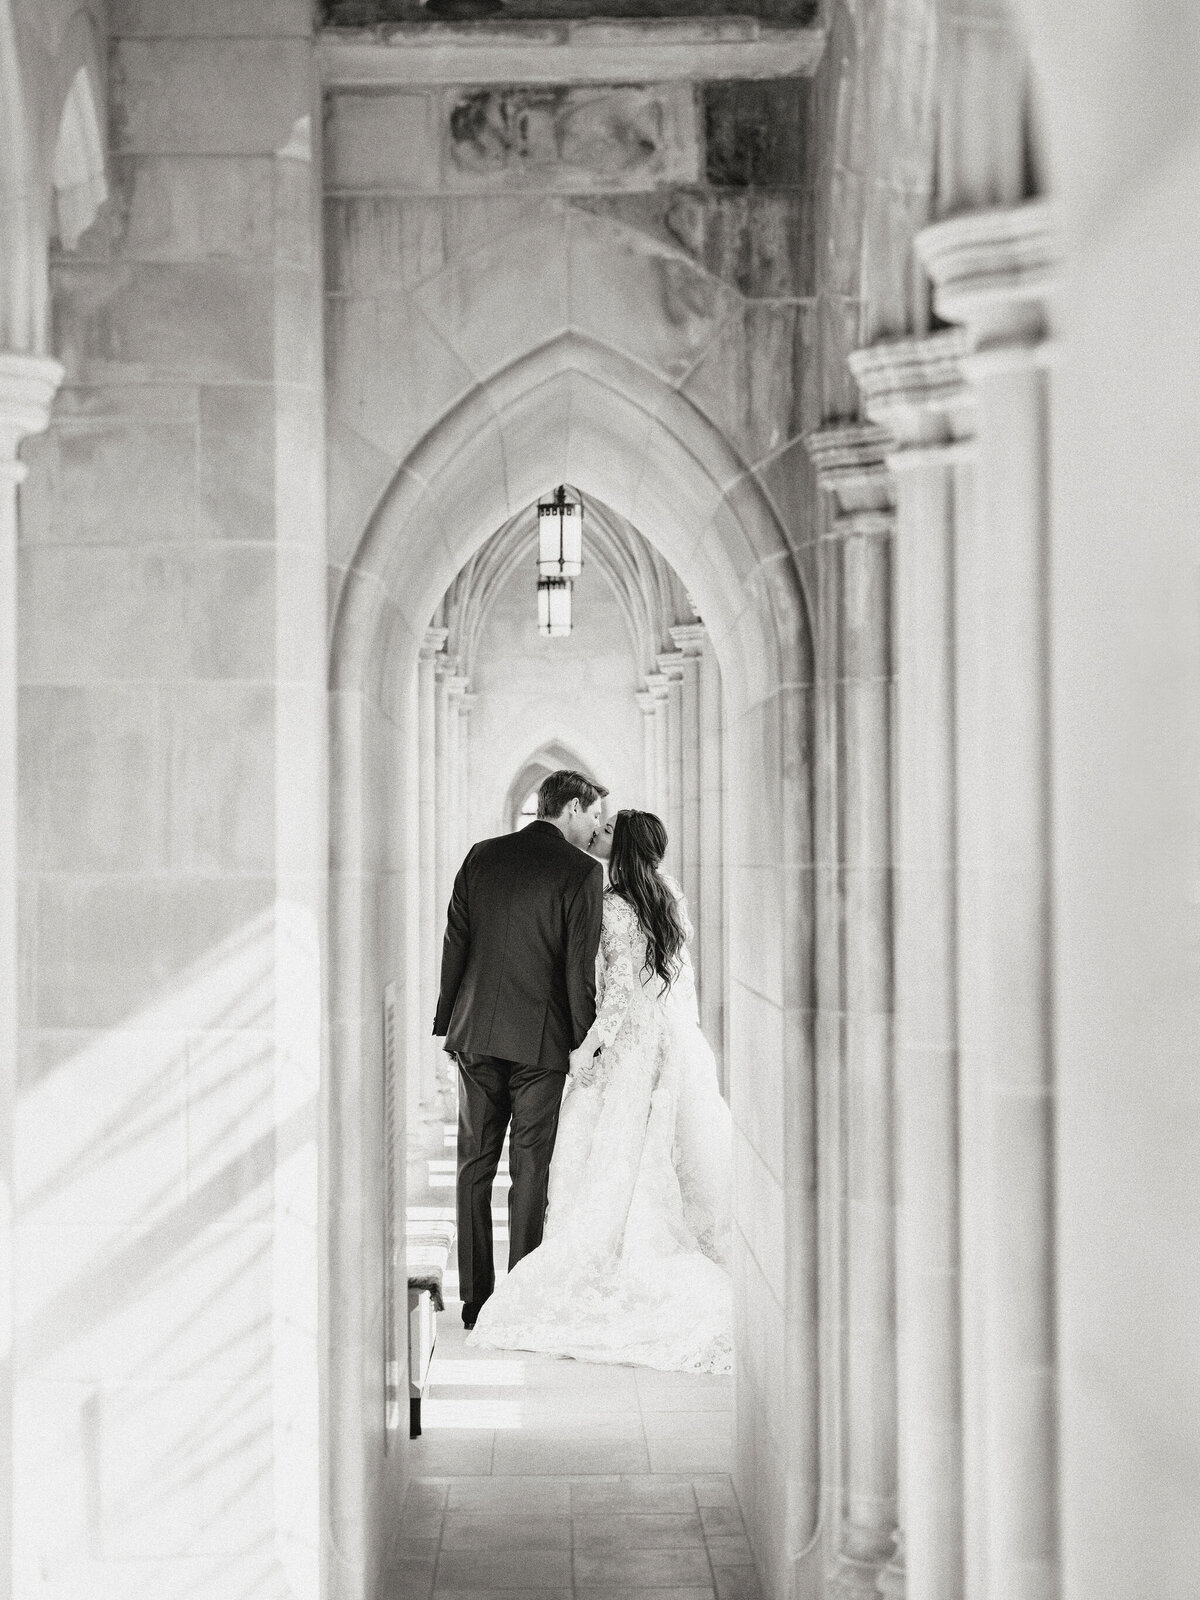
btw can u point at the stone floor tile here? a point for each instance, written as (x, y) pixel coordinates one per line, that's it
(505, 1530)
(692, 1592)
(603, 1532)
(737, 1583)
(452, 1452)
(733, 1551)
(507, 1594)
(568, 1457)
(425, 1494)
(721, 1520)
(415, 1552)
(407, 1581)
(643, 1569)
(688, 1455)
(692, 1400)
(645, 1494)
(715, 1490)
(421, 1525)
(541, 1496)
(689, 1425)
(504, 1569)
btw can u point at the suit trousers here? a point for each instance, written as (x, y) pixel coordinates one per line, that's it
(491, 1093)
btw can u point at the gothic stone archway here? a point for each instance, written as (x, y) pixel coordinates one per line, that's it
(576, 410)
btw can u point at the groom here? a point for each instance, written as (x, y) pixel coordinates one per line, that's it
(518, 995)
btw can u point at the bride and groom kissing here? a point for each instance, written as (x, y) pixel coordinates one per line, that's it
(571, 1010)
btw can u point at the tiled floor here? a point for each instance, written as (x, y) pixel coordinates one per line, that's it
(559, 1479)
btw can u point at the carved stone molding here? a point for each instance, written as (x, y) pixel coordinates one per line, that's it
(916, 389)
(28, 385)
(993, 271)
(851, 466)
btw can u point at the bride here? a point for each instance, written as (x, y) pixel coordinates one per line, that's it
(633, 1265)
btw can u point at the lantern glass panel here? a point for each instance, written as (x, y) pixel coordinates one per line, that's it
(560, 536)
(554, 607)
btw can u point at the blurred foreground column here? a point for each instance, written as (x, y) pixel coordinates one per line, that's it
(28, 385)
(991, 272)
(914, 388)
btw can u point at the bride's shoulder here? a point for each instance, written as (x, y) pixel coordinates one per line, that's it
(617, 909)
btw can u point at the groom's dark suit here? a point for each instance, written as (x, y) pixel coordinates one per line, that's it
(518, 994)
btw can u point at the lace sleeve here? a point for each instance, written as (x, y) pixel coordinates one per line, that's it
(618, 969)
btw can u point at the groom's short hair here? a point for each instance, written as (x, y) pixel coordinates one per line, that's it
(560, 788)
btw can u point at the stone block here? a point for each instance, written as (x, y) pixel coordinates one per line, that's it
(208, 95)
(211, 321)
(106, 613)
(197, 18)
(681, 308)
(219, 750)
(168, 953)
(194, 208)
(556, 138)
(129, 1303)
(100, 1138)
(509, 298)
(744, 381)
(91, 790)
(384, 142)
(358, 474)
(756, 1079)
(391, 374)
(237, 462)
(754, 133)
(379, 243)
(185, 1467)
(115, 467)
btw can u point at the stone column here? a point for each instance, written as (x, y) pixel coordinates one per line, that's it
(670, 667)
(647, 705)
(689, 640)
(28, 385)
(850, 466)
(432, 912)
(711, 922)
(658, 779)
(915, 389)
(991, 272)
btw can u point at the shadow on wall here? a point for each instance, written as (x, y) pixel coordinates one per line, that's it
(165, 1242)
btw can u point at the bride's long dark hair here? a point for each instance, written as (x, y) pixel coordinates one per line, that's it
(639, 842)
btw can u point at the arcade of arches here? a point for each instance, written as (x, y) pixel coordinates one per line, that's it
(868, 333)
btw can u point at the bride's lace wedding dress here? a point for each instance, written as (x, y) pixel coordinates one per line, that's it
(633, 1264)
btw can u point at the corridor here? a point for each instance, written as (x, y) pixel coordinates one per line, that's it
(553, 1478)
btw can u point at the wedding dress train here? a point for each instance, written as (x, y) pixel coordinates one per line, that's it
(633, 1266)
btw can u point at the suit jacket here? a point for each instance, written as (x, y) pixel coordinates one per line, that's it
(519, 956)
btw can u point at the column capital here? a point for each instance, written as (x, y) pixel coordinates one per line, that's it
(28, 385)
(446, 670)
(657, 686)
(851, 465)
(993, 272)
(433, 643)
(917, 390)
(689, 638)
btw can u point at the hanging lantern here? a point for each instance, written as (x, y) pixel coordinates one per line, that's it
(554, 607)
(560, 535)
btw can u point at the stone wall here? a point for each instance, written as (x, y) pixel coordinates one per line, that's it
(173, 842)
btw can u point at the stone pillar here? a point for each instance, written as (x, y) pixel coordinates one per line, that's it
(915, 389)
(432, 911)
(658, 769)
(689, 640)
(991, 272)
(711, 922)
(850, 465)
(670, 667)
(647, 705)
(28, 385)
